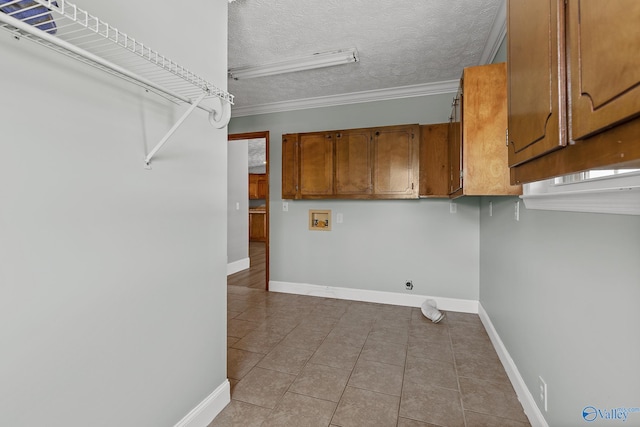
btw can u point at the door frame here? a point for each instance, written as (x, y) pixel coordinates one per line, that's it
(260, 135)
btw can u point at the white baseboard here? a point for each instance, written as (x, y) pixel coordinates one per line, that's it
(408, 300)
(206, 411)
(236, 266)
(524, 395)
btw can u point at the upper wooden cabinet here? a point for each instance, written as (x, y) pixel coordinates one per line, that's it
(434, 160)
(573, 86)
(455, 144)
(396, 162)
(536, 71)
(477, 141)
(371, 163)
(290, 166)
(603, 42)
(257, 186)
(353, 162)
(316, 164)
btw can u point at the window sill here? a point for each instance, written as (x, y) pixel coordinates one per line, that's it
(624, 200)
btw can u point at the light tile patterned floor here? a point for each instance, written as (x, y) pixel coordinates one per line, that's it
(297, 361)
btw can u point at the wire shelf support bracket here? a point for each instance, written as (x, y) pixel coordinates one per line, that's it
(67, 29)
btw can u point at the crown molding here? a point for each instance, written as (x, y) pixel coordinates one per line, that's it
(437, 88)
(496, 36)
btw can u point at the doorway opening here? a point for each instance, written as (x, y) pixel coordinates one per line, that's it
(257, 275)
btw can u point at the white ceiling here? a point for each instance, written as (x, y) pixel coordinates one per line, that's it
(406, 48)
(257, 155)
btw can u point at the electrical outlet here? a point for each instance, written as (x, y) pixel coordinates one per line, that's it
(453, 208)
(542, 393)
(517, 212)
(408, 285)
(490, 208)
(285, 206)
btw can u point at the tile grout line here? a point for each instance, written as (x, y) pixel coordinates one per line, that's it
(404, 367)
(455, 367)
(350, 374)
(256, 365)
(303, 368)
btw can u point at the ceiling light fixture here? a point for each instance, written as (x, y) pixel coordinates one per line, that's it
(317, 60)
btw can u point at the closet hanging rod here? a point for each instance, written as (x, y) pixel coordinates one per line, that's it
(81, 36)
(76, 33)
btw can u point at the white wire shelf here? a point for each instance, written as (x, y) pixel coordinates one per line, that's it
(64, 27)
(67, 29)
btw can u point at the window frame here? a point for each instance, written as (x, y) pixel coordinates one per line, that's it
(614, 194)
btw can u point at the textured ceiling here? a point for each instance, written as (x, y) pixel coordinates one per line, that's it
(400, 43)
(257, 155)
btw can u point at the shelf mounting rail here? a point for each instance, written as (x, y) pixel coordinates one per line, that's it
(67, 29)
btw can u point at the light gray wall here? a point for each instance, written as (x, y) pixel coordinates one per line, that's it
(238, 193)
(562, 290)
(381, 243)
(112, 277)
(501, 54)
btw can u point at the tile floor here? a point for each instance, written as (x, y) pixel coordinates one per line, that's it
(297, 360)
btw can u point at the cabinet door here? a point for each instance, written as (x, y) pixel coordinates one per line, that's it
(253, 187)
(434, 160)
(290, 170)
(484, 122)
(455, 145)
(536, 72)
(257, 227)
(396, 162)
(316, 164)
(262, 185)
(604, 63)
(353, 162)
(257, 186)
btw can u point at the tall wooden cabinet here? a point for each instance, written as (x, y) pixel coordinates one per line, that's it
(574, 86)
(477, 144)
(369, 163)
